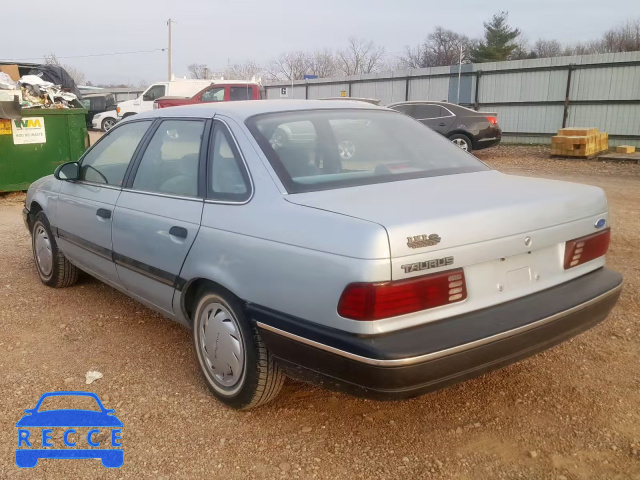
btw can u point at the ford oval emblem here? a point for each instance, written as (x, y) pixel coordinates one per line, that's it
(600, 223)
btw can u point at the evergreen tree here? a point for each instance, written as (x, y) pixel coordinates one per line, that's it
(498, 43)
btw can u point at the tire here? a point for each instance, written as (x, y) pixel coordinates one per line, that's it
(462, 141)
(237, 367)
(53, 267)
(107, 124)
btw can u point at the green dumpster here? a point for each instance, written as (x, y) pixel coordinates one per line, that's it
(33, 145)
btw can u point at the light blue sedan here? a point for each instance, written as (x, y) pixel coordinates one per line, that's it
(340, 242)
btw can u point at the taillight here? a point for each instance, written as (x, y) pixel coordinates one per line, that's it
(583, 249)
(493, 120)
(373, 301)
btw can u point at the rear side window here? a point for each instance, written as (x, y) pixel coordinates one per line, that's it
(170, 162)
(228, 177)
(425, 111)
(241, 93)
(407, 109)
(213, 95)
(107, 162)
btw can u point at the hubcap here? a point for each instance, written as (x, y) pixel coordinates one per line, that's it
(346, 149)
(108, 124)
(461, 143)
(44, 256)
(221, 345)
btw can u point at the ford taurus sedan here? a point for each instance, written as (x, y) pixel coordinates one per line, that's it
(391, 273)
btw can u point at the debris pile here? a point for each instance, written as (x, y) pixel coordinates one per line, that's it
(579, 142)
(44, 86)
(37, 92)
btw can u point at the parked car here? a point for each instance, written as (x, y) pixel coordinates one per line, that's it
(468, 129)
(144, 103)
(104, 121)
(387, 275)
(218, 91)
(97, 104)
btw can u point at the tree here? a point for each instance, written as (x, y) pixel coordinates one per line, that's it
(242, 71)
(323, 64)
(76, 74)
(625, 38)
(547, 48)
(499, 40)
(360, 56)
(289, 66)
(441, 48)
(199, 71)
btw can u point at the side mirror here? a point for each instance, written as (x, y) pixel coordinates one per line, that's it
(67, 171)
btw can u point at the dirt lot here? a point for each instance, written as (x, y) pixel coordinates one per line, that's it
(569, 413)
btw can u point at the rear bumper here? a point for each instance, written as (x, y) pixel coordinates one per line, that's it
(487, 142)
(425, 358)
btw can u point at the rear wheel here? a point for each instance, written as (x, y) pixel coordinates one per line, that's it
(236, 365)
(53, 267)
(462, 141)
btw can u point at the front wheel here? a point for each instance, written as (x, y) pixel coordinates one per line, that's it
(107, 124)
(236, 365)
(462, 141)
(53, 267)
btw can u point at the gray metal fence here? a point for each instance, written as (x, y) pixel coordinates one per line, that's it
(533, 98)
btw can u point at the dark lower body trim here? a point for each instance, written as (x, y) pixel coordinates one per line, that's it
(428, 357)
(149, 271)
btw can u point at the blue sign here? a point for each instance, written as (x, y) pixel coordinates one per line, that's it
(34, 445)
(310, 77)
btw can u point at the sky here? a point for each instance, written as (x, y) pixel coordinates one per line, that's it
(217, 32)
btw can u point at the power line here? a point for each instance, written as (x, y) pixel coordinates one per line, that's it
(90, 55)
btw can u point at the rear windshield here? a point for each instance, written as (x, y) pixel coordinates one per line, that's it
(324, 149)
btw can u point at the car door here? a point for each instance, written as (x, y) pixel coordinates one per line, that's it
(151, 95)
(85, 207)
(158, 213)
(433, 116)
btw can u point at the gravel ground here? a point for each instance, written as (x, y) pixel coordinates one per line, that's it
(569, 413)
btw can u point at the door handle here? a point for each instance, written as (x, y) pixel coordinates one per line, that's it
(442, 124)
(178, 232)
(104, 213)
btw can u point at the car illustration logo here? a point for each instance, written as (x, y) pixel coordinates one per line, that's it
(600, 223)
(528, 241)
(420, 241)
(33, 446)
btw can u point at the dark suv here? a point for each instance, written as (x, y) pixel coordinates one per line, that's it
(468, 129)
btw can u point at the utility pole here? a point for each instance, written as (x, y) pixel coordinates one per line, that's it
(169, 22)
(459, 74)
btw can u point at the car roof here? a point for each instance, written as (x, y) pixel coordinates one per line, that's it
(241, 110)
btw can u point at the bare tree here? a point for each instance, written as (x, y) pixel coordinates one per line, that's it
(414, 57)
(76, 74)
(243, 71)
(323, 64)
(199, 71)
(360, 56)
(441, 48)
(289, 66)
(625, 38)
(547, 48)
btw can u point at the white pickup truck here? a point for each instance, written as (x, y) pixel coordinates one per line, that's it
(144, 103)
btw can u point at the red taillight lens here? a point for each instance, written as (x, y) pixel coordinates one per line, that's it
(583, 249)
(373, 301)
(493, 120)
